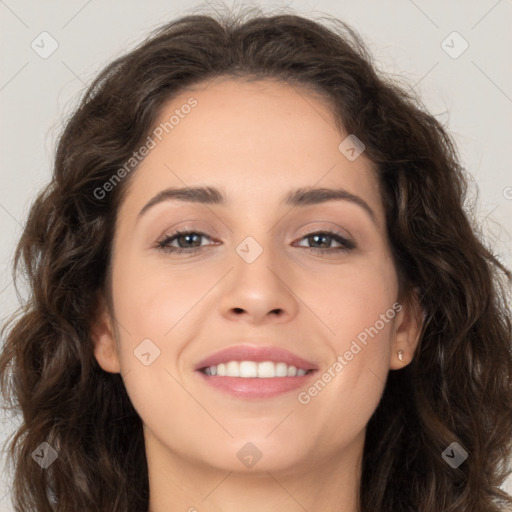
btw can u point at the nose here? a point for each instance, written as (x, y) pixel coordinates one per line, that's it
(260, 291)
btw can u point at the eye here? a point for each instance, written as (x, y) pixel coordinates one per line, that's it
(189, 237)
(190, 242)
(325, 238)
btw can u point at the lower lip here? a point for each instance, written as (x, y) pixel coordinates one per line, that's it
(254, 387)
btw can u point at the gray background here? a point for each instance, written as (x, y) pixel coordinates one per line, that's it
(471, 94)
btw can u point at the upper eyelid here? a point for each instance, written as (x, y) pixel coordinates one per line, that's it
(187, 231)
(189, 227)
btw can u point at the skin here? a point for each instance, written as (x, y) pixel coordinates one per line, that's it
(255, 141)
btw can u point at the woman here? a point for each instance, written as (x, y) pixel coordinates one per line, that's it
(254, 286)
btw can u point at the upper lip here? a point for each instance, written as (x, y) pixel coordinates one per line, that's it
(257, 354)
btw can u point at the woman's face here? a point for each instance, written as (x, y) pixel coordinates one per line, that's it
(257, 276)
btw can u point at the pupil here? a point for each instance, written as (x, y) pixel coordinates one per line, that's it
(316, 237)
(188, 237)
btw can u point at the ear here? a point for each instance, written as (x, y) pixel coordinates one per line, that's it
(103, 337)
(408, 325)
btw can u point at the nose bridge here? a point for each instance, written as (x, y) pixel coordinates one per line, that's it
(256, 263)
(258, 286)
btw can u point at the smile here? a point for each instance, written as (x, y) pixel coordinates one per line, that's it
(255, 372)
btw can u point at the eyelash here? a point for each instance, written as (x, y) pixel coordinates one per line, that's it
(163, 245)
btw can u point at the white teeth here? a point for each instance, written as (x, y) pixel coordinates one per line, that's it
(232, 369)
(248, 369)
(266, 370)
(281, 370)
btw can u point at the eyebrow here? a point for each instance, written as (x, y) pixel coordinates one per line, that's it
(298, 197)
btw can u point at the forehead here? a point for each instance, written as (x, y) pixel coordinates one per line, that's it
(256, 140)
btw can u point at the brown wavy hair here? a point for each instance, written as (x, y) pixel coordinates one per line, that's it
(458, 387)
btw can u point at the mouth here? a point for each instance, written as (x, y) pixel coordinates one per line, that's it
(255, 372)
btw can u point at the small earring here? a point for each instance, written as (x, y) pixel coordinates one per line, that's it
(400, 355)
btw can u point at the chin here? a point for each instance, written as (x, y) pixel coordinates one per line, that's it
(255, 454)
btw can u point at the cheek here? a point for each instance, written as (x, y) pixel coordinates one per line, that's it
(359, 307)
(364, 317)
(155, 312)
(350, 385)
(154, 301)
(355, 298)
